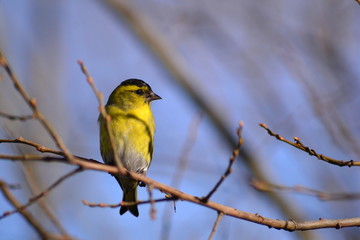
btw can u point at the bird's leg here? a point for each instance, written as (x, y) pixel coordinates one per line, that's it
(141, 184)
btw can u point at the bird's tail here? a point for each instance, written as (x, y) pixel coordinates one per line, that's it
(130, 195)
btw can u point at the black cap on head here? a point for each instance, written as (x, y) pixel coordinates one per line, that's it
(136, 82)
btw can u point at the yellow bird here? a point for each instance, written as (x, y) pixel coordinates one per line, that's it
(133, 127)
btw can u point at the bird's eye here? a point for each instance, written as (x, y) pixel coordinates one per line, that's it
(139, 92)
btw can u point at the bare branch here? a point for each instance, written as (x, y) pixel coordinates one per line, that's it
(152, 202)
(32, 144)
(218, 219)
(105, 205)
(11, 186)
(180, 169)
(32, 157)
(324, 196)
(235, 154)
(39, 148)
(42, 194)
(33, 106)
(311, 152)
(104, 115)
(35, 190)
(289, 225)
(186, 150)
(15, 117)
(28, 216)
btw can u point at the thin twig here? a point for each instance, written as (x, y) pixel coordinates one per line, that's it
(16, 117)
(105, 205)
(104, 115)
(32, 157)
(186, 150)
(79, 161)
(332, 120)
(288, 225)
(34, 190)
(32, 144)
(11, 186)
(42, 194)
(152, 202)
(216, 224)
(39, 147)
(33, 106)
(28, 216)
(42, 203)
(310, 151)
(180, 169)
(323, 196)
(228, 170)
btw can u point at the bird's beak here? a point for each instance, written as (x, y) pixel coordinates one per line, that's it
(152, 96)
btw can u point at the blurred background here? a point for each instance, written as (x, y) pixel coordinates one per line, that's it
(293, 65)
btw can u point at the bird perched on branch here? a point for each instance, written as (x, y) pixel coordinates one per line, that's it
(132, 124)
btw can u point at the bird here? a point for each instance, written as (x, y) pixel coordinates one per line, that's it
(133, 127)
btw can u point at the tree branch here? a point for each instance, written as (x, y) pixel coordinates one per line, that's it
(216, 224)
(28, 216)
(39, 148)
(289, 225)
(105, 116)
(152, 202)
(121, 204)
(310, 151)
(42, 194)
(228, 170)
(180, 169)
(324, 196)
(33, 106)
(16, 117)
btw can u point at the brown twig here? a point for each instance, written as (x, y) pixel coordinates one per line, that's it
(42, 194)
(105, 205)
(186, 150)
(104, 115)
(48, 158)
(289, 225)
(216, 224)
(38, 147)
(266, 187)
(328, 113)
(152, 202)
(32, 157)
(42, 203)
(11, 186)
(228, 170)
(16, 117)
(32, 144)
(33, 106)
(28, 216)
(310, 151)
(180, 169)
